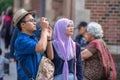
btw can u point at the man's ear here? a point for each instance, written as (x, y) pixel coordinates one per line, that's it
(22, 23)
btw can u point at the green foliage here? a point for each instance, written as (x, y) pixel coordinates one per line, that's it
(4, 4)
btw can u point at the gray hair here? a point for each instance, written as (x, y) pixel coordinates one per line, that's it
(95, 29)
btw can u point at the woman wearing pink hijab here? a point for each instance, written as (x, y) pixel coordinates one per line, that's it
(67, 57)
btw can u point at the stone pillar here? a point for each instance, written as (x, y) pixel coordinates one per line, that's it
(27, 4)
(17, 5)
(69, 9)
(57, 6)
(81, 14)
(50, 12)
(59, 9)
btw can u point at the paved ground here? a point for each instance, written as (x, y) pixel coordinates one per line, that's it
(13, 75)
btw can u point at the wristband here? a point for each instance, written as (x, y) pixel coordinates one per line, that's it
(49, 40)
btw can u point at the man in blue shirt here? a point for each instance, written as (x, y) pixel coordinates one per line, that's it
(28, 48)
(16, 31)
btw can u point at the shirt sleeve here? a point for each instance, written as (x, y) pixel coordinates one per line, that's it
(93, 50)
(25, 46)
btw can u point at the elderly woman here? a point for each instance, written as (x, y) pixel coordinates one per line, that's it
(97, 60)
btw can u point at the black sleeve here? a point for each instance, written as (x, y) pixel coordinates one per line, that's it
(79, 71)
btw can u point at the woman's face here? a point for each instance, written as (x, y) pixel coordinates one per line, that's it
(88, 37)
(70, 29)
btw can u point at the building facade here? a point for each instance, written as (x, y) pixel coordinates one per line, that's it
(105, 12)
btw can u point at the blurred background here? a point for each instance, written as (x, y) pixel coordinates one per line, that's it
(105, 12)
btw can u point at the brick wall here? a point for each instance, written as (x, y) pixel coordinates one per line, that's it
(107, 13)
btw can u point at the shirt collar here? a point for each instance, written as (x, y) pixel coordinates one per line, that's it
(27, 35)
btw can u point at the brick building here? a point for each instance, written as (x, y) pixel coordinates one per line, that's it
(107, 13)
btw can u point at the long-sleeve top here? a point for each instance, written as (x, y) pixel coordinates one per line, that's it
(58, 62)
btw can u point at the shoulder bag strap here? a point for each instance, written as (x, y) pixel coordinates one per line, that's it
(26, 71)
(75, 77)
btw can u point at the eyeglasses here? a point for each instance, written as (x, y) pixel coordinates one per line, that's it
(30, 20)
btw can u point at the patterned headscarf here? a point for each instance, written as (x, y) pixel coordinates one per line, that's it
(63, 44)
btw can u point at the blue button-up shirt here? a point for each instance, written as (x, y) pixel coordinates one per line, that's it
(14, 36)
(26, 54)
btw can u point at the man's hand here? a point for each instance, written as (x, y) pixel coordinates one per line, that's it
(49, 33)
(11, 60)
(44, 23)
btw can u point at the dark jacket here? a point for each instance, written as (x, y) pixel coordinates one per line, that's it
(81, 40)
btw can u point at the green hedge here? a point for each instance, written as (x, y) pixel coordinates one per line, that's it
(4, 4)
